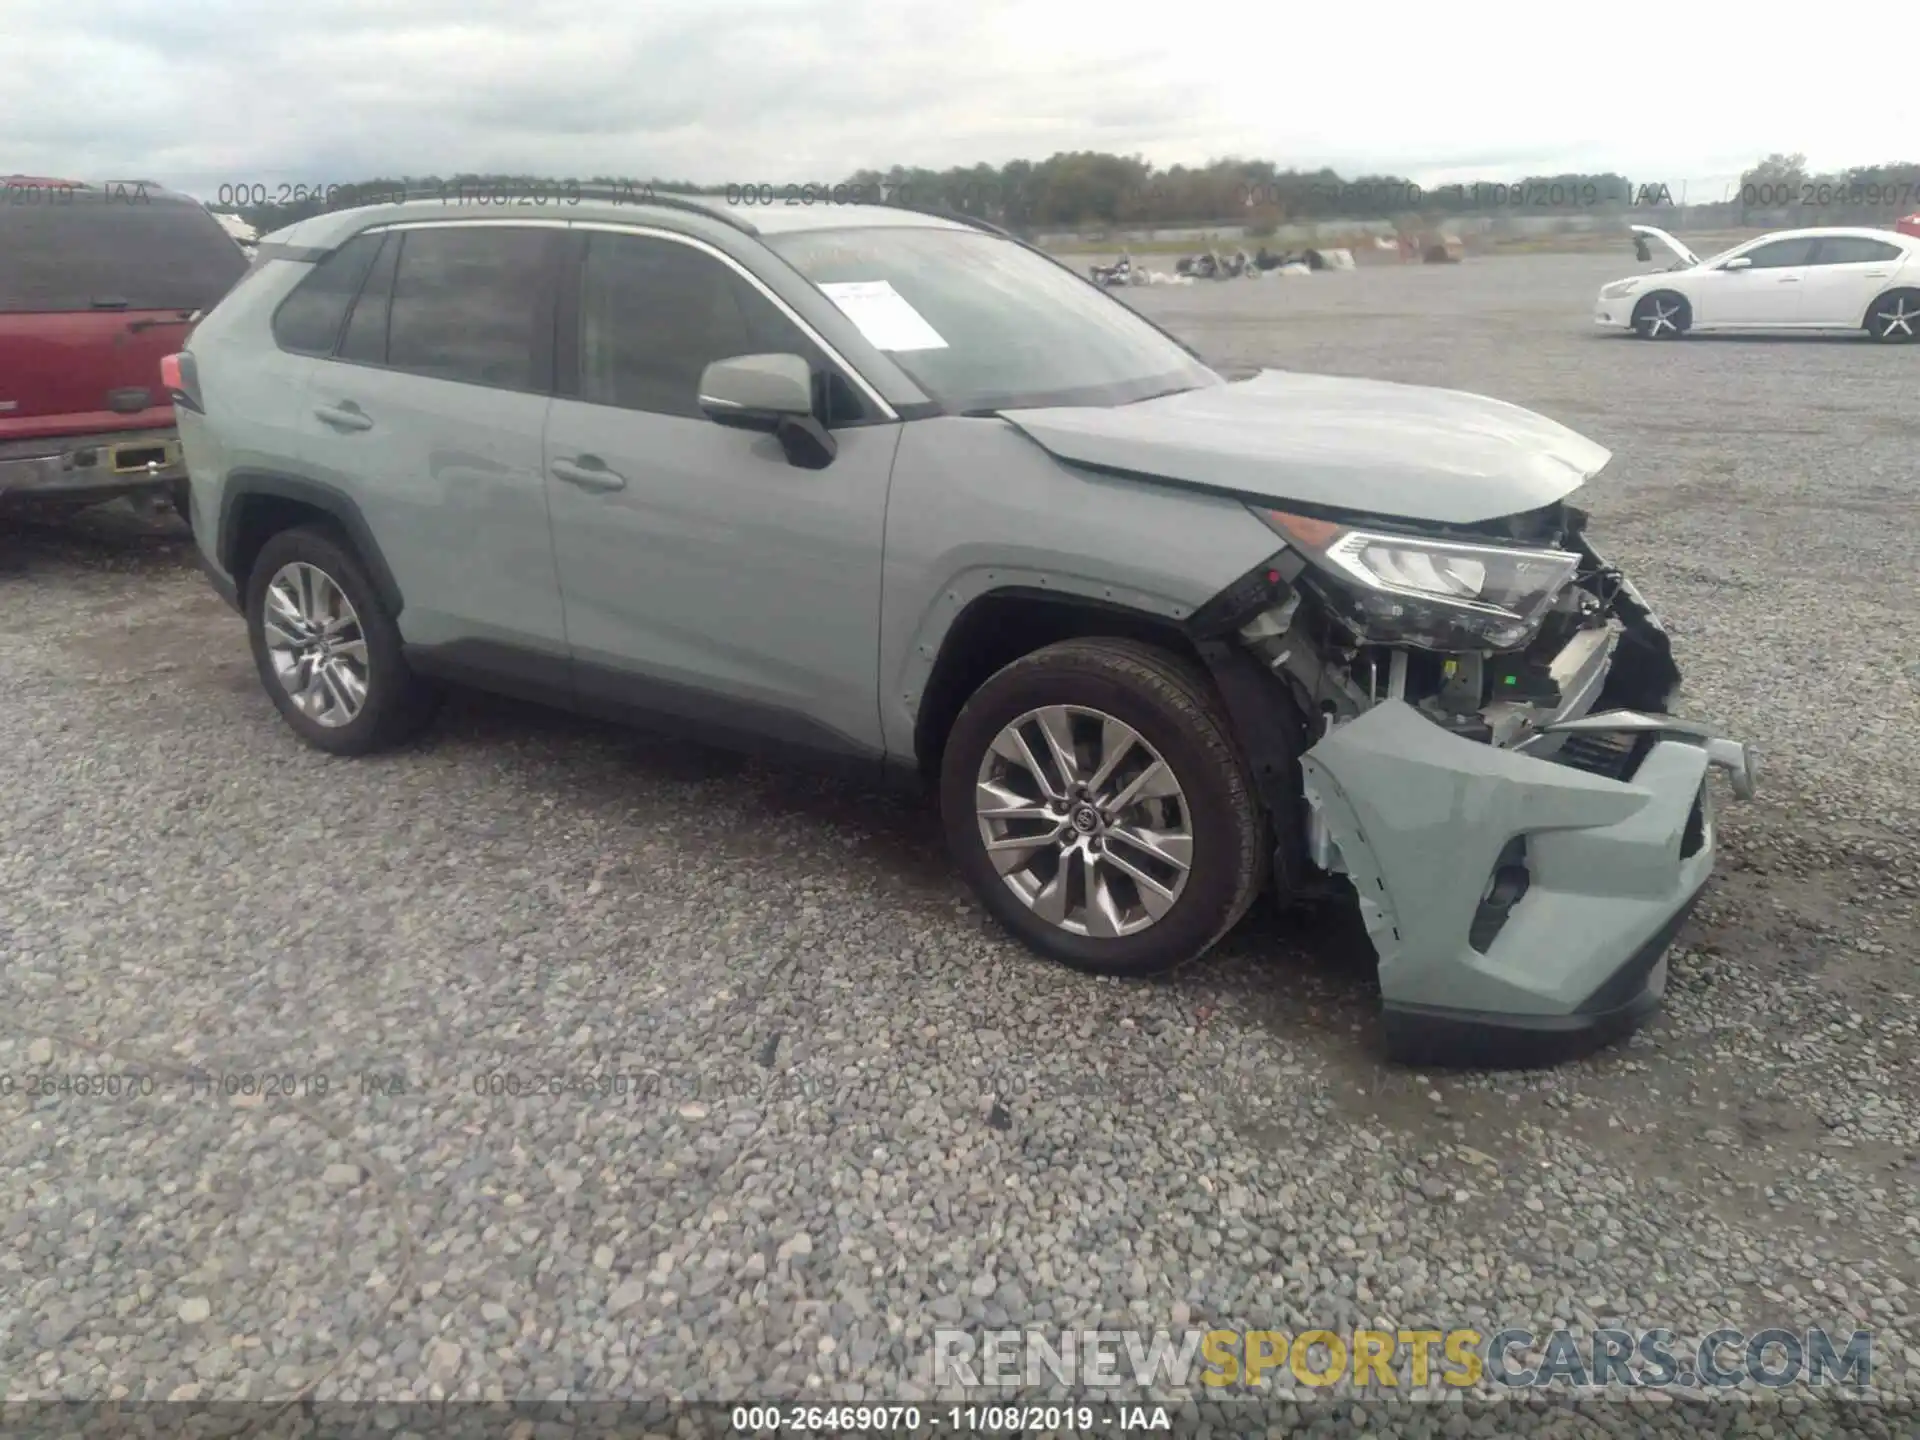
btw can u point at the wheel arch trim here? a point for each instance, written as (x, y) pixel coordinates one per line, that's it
(245, 485)
(964, 597)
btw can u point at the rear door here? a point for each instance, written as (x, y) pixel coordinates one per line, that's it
(95, 287)
(429, 416)
(1767, 294)
(1847, 273)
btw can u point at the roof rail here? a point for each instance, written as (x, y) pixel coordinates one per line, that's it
(639, 195)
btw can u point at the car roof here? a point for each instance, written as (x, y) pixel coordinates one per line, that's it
(1856, 232)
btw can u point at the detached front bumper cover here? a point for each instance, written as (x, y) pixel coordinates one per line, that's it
(1521, 907)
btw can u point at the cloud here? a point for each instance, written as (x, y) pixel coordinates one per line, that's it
(228, 91)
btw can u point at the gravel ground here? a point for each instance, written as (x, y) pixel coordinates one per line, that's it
(856, 1112)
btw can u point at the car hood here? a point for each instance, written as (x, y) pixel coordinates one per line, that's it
(1365, 445)
(1681, 252)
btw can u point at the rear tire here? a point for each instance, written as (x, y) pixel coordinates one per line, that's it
(1168, 707)
(364, 657)
(1894, 319)
(1663, 315)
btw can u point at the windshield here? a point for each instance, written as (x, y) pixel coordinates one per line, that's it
(1714, 259)
(983, 324)
(71, 250)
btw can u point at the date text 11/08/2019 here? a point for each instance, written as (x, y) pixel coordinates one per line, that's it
(961, 1419)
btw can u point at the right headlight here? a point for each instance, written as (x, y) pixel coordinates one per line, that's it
(1619, 289)
(1434, 594)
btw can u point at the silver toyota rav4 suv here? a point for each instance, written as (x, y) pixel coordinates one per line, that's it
(895, 488)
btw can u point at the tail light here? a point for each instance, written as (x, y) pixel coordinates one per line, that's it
(182, 381)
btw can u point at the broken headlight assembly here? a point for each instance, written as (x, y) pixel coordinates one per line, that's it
(1432, 594)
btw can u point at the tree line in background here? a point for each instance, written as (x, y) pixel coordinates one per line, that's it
(1083, 189)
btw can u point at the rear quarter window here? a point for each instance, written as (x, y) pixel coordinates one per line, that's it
(309, 320)
(66, 250)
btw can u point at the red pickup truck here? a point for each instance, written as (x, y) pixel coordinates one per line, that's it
(97, 284)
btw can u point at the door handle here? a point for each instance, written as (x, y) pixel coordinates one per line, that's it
(1789, 279)
(1878, 274)
(588, 473)
(344, 417)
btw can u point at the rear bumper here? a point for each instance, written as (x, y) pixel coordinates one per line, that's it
(86, 468)
(1521, 907)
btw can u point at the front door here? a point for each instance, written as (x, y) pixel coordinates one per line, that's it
(1766, 294)
(704, 576)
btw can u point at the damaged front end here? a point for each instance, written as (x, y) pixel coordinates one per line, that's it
(1480, 721)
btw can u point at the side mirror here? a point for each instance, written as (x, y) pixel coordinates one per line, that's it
(772, 394)
(755, 392)
(1739, 262)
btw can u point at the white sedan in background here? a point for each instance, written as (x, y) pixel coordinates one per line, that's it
(1825, 279)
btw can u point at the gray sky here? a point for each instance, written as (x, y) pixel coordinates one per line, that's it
(196, 93)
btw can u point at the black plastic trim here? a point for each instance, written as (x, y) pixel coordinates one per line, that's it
(221, 582)
(726, 721)
(624, 697)
(1437, 1037)
(571, 266)
(1265, 722)
(243, 485)
(526, 673)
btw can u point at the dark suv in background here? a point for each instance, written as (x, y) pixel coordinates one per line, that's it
(97, 285)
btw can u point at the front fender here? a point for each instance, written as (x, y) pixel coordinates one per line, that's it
(976, 507)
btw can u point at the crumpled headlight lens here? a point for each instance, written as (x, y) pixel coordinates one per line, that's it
(1618, 289)
(1435, 594)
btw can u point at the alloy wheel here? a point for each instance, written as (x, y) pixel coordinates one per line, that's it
(1084, 820)
(1661, 317)
(316, 644)
(1902, 322)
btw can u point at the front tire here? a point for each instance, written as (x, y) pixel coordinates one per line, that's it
(1095, 801)
(328, 651)
(1894, 319)
(1662, 315)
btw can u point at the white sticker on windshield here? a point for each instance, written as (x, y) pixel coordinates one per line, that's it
(883, 315)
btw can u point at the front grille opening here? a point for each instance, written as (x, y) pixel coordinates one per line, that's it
(1507, 884)
(1612, 756)
(1694, 838)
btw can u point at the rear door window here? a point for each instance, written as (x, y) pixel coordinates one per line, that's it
(1854, 250)
(74, 249)
(474, 303)
(309, 320)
